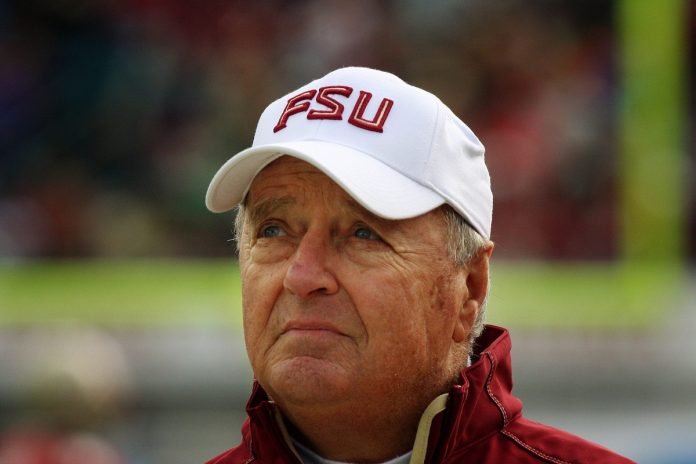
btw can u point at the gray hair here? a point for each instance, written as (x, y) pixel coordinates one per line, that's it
(239, 224)
(463, 245)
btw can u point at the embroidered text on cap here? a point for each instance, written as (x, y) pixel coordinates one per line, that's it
(300, 103)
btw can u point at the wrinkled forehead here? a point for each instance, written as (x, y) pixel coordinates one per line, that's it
(287, 165)
(289, 185)
(283, 184)
(287, 174)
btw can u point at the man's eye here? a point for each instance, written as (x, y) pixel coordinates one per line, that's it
(365, 233)
(272, 231)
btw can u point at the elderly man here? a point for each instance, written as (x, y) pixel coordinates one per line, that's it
(364, 217)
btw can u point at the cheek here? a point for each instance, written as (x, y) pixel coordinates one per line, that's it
(424, 308)
(393, 309)
(260, 289)
(446, 295)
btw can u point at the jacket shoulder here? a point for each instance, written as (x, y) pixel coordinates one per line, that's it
(527, 442)
(549, 444)
(237, 455)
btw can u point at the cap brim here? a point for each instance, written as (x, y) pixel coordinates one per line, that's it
(377, 187)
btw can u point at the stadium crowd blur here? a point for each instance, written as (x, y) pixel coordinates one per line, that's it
(114, 115)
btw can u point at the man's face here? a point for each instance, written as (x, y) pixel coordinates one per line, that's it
(339, 303)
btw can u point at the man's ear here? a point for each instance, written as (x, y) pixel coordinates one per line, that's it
(477, 282)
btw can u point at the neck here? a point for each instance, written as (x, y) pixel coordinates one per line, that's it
(371, 427)
(351, 437)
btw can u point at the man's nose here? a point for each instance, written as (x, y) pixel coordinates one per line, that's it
(309, 273)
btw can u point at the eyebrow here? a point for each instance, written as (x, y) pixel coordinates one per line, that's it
(361, 210)
(374, 220)
(265, 208)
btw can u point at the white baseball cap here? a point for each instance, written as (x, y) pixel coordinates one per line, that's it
(395, 148)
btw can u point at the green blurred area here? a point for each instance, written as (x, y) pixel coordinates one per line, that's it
(151, 294)
(652, 125)
(121, 293)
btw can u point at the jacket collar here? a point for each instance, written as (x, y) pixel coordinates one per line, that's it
(480, 404)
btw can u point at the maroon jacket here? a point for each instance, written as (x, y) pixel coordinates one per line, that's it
(480, 422)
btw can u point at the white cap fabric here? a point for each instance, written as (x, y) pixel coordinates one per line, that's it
(396, 149)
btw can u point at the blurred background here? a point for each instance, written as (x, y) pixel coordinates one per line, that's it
(120, 337)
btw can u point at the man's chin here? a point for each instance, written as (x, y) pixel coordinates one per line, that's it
(306, 379)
